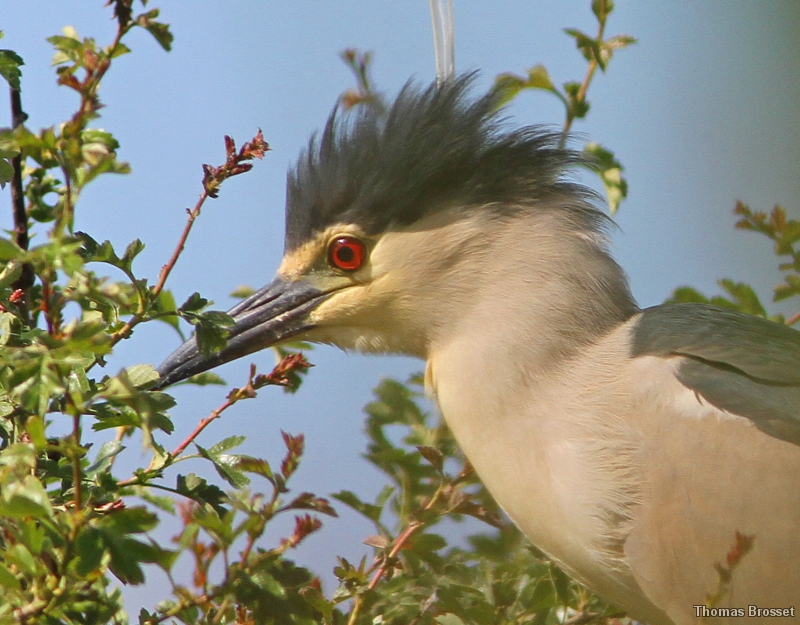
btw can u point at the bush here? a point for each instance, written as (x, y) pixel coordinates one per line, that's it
(70, 525)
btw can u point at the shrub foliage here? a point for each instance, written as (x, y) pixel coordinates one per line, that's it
(70, 525)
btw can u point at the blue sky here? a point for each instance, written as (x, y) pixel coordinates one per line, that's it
(702, 113)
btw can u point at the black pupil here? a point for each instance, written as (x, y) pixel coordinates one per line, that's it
(346, 254)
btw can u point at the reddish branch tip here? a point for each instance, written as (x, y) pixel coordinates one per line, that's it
(743, 546)
(303, 526)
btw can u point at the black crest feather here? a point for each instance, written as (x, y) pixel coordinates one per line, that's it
(431, 149)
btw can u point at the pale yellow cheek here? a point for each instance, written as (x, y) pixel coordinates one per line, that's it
(340, 308)
(296, 263)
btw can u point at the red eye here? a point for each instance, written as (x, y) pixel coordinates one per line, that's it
(346, 253)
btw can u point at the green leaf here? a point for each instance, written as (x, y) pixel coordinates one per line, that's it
(789, 289)
(10, 250)
(226, 467)
(6, 168)
(589, 47)
(744, 295)
(141, 375)
(206, 379)
(508, 86)
(124, 563)
(32, 534)
(687, 294)
(19, 556)
(258, 466)
(133, 249)
(195, 303)
(25, 497)
(104, 457)
(602, 8)
(159, 30)
(434, 456)
(618, 42)
(10, 63)
(212, 332)
(349, 498)
(538, 78)
(135, 520)
(243, 291)
(89, 548)
(428, 542)
(10, 273)
(604, 163)
(309, 501)
(165, 303)
(200, 490)
(8, 321)
(8, 580)
(226, 445)
(268, 583)
(34, 426)
(317, 600)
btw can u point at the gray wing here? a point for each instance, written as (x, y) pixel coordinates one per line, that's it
(744, 364)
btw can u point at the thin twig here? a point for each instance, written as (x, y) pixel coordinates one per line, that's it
(213, 177)
(77, 475)
(202, 426)
(580, 97)
(193, 214)
(88, 106)
(793, 319)
(167, 269)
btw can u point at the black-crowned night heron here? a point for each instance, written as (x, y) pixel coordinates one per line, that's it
(630, 445)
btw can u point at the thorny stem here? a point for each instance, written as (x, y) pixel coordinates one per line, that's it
(31, 610)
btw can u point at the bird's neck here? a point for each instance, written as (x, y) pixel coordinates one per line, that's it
(542, 288)
(498, 373)
(552, 294)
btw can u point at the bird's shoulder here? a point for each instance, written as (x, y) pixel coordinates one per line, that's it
(740, 363)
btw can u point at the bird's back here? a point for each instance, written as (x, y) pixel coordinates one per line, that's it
(718, 523)
(635, 483)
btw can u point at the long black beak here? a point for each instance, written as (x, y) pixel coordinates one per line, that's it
(273, 314)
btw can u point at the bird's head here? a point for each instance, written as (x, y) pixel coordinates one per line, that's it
(396, 218)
